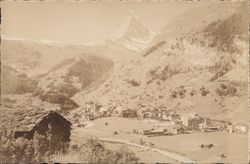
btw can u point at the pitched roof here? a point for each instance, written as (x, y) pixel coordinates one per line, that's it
(21, 118)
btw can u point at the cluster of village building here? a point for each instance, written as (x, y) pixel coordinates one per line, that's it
(170, 122)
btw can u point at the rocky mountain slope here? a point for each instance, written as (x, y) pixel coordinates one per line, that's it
(37, 57)
(18, 56)
(13, 81)
(198, 18)
(196, 63)
(202, 69)
(55, 72)
(132, 34)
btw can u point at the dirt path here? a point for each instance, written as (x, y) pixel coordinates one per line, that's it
(172, 155)
(168, 154)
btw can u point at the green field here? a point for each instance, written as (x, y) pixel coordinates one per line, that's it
(145, 156)
(233, 145)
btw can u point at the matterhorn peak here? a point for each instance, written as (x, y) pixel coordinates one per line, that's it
(132, 34)
(132, 17)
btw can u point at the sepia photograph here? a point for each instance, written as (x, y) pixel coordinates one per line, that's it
(124, 81)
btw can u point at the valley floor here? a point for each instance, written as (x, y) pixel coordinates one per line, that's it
(182, 147)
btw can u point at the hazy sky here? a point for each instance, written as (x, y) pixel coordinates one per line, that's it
(82, 22)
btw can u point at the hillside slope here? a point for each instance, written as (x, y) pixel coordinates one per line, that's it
(191, 72)
(13, 81)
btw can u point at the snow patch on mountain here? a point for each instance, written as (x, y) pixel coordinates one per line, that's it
(39, 41)
(132, 34)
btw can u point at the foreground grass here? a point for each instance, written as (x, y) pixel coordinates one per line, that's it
(46, 149)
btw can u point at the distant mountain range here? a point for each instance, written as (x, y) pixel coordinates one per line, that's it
(196, 63)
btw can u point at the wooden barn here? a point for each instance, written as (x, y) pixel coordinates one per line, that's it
(25, 123)
(129, 113)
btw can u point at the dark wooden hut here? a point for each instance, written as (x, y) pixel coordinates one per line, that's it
(25, 123)
(58, 125)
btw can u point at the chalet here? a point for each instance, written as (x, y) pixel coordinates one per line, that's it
(129, 113)
(118, 111)
(140, 112)
(156, 113)
(164, 124)
(211, 128)
(175, 117)
(170, 130)
(126, 113)
(181, 129)
(104, 111)
(240, 128)
(153, 132)
(166, 117)
(186, 119)
(97, 107)
(26, 122)
(229, 128)
(89, 116)
(147, 114)
(169, 127)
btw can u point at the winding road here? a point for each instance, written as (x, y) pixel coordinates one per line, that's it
(174, 156)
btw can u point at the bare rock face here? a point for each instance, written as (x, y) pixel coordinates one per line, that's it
(132, 35)
(187, 62)
(186, 67)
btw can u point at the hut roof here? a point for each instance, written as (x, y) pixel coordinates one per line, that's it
(22, 118)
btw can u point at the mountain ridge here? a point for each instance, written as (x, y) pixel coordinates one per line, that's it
(132, 34)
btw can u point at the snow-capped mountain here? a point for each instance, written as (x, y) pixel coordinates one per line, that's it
(202, 67)
(186, 72)
(39, 41)
(34, 57)
(132, 34)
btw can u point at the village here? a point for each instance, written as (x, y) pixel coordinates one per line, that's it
(169, 122)
(124, 82)
(145, 131)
